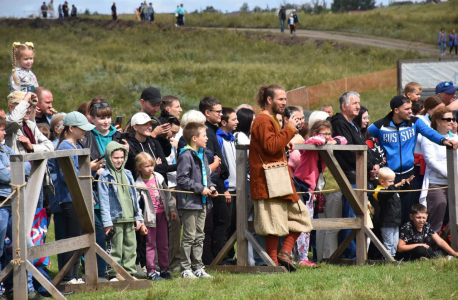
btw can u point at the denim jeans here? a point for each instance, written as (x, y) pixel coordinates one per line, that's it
(390, 236)
(282, 23)
(443, 46)
(6, 229)
(347, 212)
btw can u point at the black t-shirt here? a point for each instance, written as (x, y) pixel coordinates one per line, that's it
(42, 119)
(409, 234)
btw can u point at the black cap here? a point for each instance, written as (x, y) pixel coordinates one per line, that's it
(398, 100)
(152, 95)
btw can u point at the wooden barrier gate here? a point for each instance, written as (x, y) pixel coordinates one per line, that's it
(81, 193)
(357, 200)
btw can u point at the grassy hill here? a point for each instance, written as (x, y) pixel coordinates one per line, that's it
(419, 22)
(83, 58)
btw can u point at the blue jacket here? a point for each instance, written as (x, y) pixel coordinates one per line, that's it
(61, 186)
(399, 142)
(452, 40)
(439, 37)
(110, 207)
(5, 173)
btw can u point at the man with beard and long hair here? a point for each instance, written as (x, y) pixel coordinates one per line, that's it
(280, 216)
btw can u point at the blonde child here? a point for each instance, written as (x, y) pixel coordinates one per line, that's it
(158, 206)
(22, 77)
(119, 207)
(390, 207)
(412, 91)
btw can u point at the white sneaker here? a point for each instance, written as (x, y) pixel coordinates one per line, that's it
(200, 273)
(114, 279)
(75, 281)
(141, 271)
(187, 274)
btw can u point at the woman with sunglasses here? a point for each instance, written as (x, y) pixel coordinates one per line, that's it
(436, 168)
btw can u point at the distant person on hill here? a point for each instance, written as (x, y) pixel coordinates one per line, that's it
(181, 11)
(452, 41)
(51, 9)
(144, 11)
(44, 10)
(74, 11)
(114, 14)
(151, 12)
(296, 19)
(60, 11)
(138, 15)
(441, 41)
(282, 17)
(65, 9)
(327, 108)
(291, 23)
(177, 17)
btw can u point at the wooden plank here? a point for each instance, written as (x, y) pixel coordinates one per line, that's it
(343, 245)
(48, 155)
(44, 282)
(248, 269)
(32, 191)
(361, 183)
(82, 210)
(452, 196)
(254, 243)
(341, 180)
(61, 246)
(378, 244)
(336, 223)
(6, 271)
(120, 270)
(227, 247)
(116, 285)
(91, 268)
(75, 257)
(19, 273)
(242, 218)
(313, 147)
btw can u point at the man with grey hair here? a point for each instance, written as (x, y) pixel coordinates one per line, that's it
(342, 125)
(328, 109)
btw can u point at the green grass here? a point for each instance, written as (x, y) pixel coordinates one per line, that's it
(419, 22)
(79, 60)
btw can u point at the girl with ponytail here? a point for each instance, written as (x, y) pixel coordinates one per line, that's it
(22, 78)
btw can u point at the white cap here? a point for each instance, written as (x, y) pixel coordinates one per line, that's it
(141, 118)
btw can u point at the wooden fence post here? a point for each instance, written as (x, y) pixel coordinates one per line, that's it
(242, 223)
(361, 184)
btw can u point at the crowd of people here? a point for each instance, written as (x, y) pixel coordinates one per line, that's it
(164, 173)
(63, 10)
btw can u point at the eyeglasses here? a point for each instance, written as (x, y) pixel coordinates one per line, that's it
(324, 133)
(449, 119)
(219, 112)
(366, 118)
(447, 83)
(98, 105)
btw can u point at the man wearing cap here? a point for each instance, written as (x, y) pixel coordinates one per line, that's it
(397, 134)
(151, 100)
(23, 135)
(447, 92)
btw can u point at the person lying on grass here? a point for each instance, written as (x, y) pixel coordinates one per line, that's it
(416, 238)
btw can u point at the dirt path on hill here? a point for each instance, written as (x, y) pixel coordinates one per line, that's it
(359, 39)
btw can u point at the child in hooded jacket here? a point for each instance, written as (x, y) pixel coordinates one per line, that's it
(121, 215)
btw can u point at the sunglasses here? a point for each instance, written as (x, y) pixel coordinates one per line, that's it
(448, 83)
(99, 105)
(449, 119)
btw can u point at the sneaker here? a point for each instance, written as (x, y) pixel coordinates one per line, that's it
(308, 263)
(166, 275)
(141, 271)
(34, 295)
(113, 278)
(200, 273)
(187, 274)
(154, 276)
(102, 279)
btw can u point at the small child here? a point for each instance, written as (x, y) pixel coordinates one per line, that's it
(119, 207)
(412, 91)
(291, 24)
(390, 207)
(193, 174)
(22, 77)
(416, 237)
(158, 205)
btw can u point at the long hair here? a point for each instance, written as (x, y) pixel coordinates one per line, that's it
(245, 117)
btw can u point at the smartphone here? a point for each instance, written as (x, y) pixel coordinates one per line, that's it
(31, 89)
(124, 135)
(110, 235)
(118, 122)
(214, 192)
(101, 157)
(170, 120)
(288, 114)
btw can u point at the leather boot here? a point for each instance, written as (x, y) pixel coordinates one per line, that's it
(284, 258)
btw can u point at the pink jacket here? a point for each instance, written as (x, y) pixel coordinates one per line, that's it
(304, 163)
